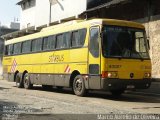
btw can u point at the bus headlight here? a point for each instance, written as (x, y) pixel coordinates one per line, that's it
(147, 75)
(106, 74)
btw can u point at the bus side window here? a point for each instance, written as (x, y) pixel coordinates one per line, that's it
(60, 43)
(49, 43)
(45, 43)
(16, 48)
(52, 42)
(75, 39)
(82, 36)
(26, 47)
(37, 45)
(67, 39)
(78, 38)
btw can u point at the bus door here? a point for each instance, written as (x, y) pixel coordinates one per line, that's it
(94, 58)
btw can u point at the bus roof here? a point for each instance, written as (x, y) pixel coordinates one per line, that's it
(73, 25)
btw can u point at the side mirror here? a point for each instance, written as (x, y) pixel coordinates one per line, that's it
(148, 44)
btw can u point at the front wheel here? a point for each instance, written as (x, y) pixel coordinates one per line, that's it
(79, 86)
(27, 82)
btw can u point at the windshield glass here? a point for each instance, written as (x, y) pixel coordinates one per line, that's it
(124, 42)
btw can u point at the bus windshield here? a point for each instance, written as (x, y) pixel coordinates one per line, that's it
(124, 42)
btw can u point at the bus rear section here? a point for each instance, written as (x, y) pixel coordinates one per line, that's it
(125, 61)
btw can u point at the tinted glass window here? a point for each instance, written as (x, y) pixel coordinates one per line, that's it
(94, 43)
(37, 45)
(45, 43)
(59, 41)
(26, 47)
(10, 51)
(67, 39)
(75, 39)
(78, 38)
(49, 43)
(82, 34)
(63, 41)
(52, 42)
(17, 48)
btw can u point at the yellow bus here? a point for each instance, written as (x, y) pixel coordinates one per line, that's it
(97, 54)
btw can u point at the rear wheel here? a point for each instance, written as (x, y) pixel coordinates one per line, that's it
(27, 82)
(79, 86)
(19, 81)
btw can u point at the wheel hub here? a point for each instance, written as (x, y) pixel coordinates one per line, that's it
(78, 85)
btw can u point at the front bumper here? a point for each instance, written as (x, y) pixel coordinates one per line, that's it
(116, 84)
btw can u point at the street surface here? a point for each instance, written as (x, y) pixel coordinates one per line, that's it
(16, 102)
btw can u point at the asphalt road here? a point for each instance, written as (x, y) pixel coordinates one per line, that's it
(56, 104)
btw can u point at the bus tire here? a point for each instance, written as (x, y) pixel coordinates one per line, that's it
(19, 81)
(79, 86)
(117, 92)
(27, 81)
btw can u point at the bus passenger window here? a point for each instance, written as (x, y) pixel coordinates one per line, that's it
(75, 39)
(26, 47)
(45, 43)
(66, 39)
(52, 42)
(37, 45)
(49, 43)
(17, 48)
(10, 50)
(60, 43)
(82, 36)
(78, 38)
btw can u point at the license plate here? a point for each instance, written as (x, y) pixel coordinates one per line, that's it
(130, 86)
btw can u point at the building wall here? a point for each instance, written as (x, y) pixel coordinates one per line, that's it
(153, 28)
(39, 14)
(15, 25)
(68, 8)
(28, 18)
